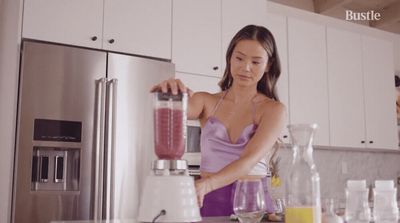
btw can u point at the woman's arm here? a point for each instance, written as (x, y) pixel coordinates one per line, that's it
(196, 105)
(271, 124)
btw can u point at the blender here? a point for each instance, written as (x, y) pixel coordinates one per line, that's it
(169, 194)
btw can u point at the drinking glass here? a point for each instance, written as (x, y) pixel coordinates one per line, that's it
(248, 201)
(279, 206)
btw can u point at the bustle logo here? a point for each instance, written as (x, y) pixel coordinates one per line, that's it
(362, 16)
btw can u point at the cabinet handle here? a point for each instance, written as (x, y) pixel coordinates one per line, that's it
(371, 141)
(94, 38)
(215, 68)
(362, 141)
(111, 41)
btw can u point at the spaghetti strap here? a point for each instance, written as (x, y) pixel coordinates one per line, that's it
(218, 103)
(254, 111)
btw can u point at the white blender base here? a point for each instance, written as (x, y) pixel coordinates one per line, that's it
(174, 194)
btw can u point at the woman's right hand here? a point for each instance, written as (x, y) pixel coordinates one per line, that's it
(203, 186)
(175, 85)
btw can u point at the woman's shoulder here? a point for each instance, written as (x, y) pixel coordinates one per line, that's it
(207, 101)
(268, 105)
(206, 96)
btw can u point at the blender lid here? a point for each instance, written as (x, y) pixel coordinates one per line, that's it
(167, 96)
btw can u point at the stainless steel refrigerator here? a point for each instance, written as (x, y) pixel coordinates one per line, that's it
(84, 139)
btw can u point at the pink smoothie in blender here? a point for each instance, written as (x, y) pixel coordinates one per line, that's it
(169, 125)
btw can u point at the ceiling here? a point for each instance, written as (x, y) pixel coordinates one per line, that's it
(389, 11)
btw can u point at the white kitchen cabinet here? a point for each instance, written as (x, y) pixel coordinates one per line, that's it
(72, 22)
(139, 27)
(130, 26)
(379, 93)
(308, 84)
(236, 14)
(346, 91)
(196, 36)
(256, 14)
(199, 82)
(361, 91)
(277, 25)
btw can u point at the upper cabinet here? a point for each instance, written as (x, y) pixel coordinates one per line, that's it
(236, 14)
(129, 26)
(277, 25)
(256, 14)
(380, 94)
(199, 82)
(72, 22)
(346, 91)
(196, 38)
(361, 91)
(308, 91)
(139, 27)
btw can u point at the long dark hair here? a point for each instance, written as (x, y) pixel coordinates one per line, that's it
(267, 84)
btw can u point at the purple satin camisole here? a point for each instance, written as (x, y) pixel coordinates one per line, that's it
(217, 151)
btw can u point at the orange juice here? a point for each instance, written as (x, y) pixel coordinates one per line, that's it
(299, 215)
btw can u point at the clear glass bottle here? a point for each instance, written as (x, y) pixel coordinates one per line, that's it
(303, 202)
(385, 203)
(330, 215)
(357, 207)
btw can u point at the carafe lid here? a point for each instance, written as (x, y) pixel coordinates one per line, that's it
(384, 185)
(356, 185)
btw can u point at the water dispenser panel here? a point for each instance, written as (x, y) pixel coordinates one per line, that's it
(55, 169)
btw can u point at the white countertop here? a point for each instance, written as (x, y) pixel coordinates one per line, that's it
(224, 219)
(206, 219)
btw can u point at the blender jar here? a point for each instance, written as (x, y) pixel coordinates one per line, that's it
(170, 125)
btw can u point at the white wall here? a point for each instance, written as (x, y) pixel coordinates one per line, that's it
(10, 14)
(397, 56)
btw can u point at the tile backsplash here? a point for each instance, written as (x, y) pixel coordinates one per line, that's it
(337, 165)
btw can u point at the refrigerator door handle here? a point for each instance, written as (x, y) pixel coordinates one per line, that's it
(108, 212)
(99, 128)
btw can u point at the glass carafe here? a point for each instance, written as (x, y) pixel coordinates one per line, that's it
(303, 202)
(170, 125)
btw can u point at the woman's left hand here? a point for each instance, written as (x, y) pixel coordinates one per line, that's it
(203, 187)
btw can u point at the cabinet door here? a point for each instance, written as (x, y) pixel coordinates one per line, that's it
(380, 95)
(308, 91)
(236, 14)
(196, 39)
(72, 22)
(256, 14)
(199, 82)
(277, 24)
(346, 96)
(138, 27)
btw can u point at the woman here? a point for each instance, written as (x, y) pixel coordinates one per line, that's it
(241, 124)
